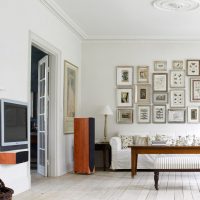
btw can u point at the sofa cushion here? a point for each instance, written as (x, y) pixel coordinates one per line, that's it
(126, 141)
(139, 140)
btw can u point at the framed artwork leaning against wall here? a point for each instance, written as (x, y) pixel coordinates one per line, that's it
(70, 96)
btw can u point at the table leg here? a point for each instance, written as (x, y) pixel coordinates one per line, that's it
(133, 163)
(104, 159)
(136, 159)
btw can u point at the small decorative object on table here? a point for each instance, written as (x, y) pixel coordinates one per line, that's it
(5, 193)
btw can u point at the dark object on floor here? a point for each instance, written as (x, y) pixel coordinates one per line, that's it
(5, 193)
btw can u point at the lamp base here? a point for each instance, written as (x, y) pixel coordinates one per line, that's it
(105, 139)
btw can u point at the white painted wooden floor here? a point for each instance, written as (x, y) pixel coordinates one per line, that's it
(114, 186)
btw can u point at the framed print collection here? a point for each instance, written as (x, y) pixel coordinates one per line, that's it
(159, 97)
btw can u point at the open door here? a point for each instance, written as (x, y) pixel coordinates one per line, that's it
(43, 70)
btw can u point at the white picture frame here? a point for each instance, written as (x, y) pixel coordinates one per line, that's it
(143, 93)
(176, 115)
(124, 116)
(195, 89)
(178, 64)
(142, 74)
(160, 98)
(160, 82)
(193, 68)
(160, 65)
(193, 114)
(177, 98)
(124, 97)
(124, 76)
(177, 78)
(144, 114)
(159, 113)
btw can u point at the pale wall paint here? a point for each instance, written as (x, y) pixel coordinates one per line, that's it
(99, 80)
(17, 18)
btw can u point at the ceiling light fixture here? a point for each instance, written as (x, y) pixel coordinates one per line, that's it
(176, 5)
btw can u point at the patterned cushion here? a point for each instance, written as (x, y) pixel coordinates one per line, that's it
(126, 140)
(140, 140)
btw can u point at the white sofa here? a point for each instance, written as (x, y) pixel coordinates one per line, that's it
(121, 158)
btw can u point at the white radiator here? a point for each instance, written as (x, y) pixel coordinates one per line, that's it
(175, 162)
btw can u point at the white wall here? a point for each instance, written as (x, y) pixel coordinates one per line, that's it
(99, 63)
(17, 18)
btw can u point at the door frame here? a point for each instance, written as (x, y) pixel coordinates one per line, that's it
(55, 98)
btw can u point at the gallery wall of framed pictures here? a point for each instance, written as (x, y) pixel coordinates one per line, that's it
(162, 93)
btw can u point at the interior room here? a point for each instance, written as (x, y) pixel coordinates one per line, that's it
(100, 99)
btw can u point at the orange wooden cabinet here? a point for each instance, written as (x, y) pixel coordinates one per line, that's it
(84, 133)
(13, 157)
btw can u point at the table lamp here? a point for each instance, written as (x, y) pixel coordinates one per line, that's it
(106, 111)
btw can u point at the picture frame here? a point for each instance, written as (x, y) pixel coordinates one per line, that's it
(178, 64)
(195, 89)
(160, 65)
(143, 114)
(124, 97)
(193, 114)
(143, 93)
(124, 76)
(159, 114)
(124, 116)
(143, 74)
(177, 98)
(70, 96)
(160, 98)
(160, 82)
(193, 67)
(177, 78)
(176, 115)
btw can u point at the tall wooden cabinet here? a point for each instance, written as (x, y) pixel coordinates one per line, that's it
(84, 146)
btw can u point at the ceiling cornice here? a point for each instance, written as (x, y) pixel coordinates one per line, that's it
(63, 17)
(143, 38)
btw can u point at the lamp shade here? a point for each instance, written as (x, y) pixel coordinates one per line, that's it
(106, 110)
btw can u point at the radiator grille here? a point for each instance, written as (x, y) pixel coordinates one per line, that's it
(177, 163)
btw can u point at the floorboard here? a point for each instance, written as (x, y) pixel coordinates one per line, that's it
(111, 185)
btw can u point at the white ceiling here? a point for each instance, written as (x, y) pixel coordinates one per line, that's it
(127, 19)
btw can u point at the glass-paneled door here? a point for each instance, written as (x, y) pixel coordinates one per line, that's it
(43, 71)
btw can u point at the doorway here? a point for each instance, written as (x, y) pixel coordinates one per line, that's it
(55, 100)
(39, 110)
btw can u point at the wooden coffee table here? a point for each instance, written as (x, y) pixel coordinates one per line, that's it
(135, 150)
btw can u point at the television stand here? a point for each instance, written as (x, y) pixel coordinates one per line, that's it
(9, 158)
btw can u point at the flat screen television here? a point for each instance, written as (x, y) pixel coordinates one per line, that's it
(14, 125)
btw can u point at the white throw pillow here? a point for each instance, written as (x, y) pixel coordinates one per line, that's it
(127, 140)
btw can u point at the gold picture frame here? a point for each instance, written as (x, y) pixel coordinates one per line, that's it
(70, 96)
